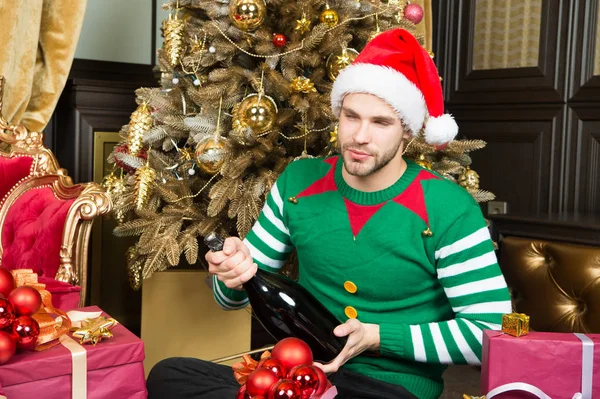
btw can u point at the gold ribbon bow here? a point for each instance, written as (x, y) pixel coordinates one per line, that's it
(95, 330)
(50, 329)
(241, 370)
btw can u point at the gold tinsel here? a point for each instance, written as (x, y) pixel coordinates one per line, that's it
(144, 179)
(174, 43)
(139, 124)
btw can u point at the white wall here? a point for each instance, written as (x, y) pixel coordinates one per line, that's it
(117, 30)
(161, 15)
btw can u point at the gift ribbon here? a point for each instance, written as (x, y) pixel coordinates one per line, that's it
(79, 367)
(587, 365)
(78, 355)
(587, 372)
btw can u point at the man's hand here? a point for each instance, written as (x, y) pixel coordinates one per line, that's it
(361, 337)
(233, 265)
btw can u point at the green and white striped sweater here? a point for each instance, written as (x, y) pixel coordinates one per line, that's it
(368, 255)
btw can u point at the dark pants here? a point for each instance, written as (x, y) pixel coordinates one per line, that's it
(179, 378)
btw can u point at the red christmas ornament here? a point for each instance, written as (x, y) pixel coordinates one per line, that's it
(323, 381)
(8, 347)
(279, 40)
(292, 352)
(275, 366)
(26, 331)
(26, 300)
(7, 313)
(285, 389)
(258, 397)
(414, 13)
(241, 393)
(7, 282)
(260, 381)
(306, 378)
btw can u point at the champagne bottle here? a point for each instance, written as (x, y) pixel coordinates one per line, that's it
(287, 309)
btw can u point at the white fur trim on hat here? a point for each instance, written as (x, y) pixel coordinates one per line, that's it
(440, 130)
(386, 83)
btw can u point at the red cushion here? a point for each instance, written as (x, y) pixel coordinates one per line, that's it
(11, 171)
(32, 232)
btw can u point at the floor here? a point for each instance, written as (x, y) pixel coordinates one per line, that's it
(459, 380)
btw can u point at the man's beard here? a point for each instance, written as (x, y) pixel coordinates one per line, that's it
(371, 165)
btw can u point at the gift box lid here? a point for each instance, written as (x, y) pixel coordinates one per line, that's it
(26, 366)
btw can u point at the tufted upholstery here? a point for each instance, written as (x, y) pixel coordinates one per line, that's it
(12, 170)
(32, 232)
(557, 284)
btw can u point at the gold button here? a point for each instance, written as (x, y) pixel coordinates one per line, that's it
(351, 312)
(350, 287)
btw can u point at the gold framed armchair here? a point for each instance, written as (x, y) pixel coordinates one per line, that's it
(45, 219)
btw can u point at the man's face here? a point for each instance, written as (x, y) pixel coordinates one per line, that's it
(370, 134)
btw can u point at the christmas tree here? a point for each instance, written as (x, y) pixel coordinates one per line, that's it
(245, 90)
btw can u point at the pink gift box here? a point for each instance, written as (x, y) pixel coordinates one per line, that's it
(114, 370)
(551, 362)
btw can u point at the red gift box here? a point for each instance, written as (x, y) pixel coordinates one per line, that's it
(558, 365)
(113, 369)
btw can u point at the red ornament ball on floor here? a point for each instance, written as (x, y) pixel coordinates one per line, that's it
(260, 381)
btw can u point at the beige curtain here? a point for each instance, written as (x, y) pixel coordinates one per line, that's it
(507, 33)
(37, 44)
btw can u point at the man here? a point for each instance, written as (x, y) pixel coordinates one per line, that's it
(400, 254)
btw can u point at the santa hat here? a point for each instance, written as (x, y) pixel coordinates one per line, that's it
(396, 68)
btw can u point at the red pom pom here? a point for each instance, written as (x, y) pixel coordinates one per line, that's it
(260, 381)
(7, 313)
(26, 331)
(414, 13)
(279, 40)
(275, 366)
(323, 381)
(285, 389)
(7, 282)
(26, 300)
(8, 347)
(292, 352)
(306, 378)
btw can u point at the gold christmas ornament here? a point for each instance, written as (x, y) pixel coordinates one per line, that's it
(303, 85)
(210, 154)
(329, 17)
(424, 162)
(247, 15)
(302, 24)
(337, 62)
(515, 324)
(115, 189)
(174, 44)
(469, 179)
(256, 111)
(144, 179)
(140, 122)
(333, 135)
(134, 268)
